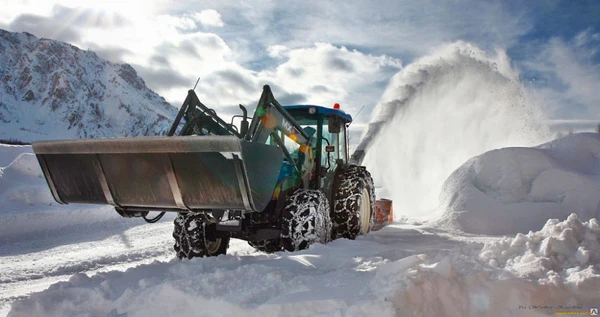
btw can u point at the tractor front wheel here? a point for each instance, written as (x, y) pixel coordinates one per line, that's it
(305, 220)
(193, 234)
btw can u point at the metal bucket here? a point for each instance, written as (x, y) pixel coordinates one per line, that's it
(162, 173)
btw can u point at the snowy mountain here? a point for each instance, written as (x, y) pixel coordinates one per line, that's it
(51, 90)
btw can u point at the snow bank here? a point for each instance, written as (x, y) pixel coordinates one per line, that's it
(513, 190)
(440, 111)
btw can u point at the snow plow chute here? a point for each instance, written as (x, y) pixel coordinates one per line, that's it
(162, 173)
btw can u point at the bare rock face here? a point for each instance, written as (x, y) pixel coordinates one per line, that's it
(51, 90)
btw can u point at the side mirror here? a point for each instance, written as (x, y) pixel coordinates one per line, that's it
(334, 125)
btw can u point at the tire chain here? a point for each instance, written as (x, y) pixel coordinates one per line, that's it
(305, 220)
(189, 234)
(346, 212)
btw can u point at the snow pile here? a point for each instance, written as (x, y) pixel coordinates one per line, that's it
(562, 253)
(560, 263)
(515, 190)
(439, 112)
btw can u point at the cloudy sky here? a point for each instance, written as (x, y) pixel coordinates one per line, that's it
(324, 52)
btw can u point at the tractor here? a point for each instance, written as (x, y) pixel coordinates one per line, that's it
(281, 180)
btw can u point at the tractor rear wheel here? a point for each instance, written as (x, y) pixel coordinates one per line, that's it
(192, 237)
(305, 220)
(354, 203)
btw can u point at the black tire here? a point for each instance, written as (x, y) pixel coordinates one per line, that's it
(268, 246)
(355, 194)
(305, 220)
(190, 237)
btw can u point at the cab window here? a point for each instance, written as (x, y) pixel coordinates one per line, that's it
(291, 146)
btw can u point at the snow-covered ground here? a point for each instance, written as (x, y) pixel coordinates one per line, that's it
(90, 262)
(469, 137)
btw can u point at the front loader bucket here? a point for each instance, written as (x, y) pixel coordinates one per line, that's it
(162, 173)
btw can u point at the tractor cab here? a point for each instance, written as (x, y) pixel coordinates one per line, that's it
(327, 130)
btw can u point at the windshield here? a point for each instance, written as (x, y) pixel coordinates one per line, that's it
(310, 122)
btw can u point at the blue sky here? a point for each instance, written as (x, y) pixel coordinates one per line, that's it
(324, 51)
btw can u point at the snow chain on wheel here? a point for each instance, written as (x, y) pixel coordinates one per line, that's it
(305, 220)
(190, 237)
(268, 246)
(354, 203)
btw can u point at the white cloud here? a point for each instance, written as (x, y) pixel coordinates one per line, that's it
(209, 18)
(321, 74)
(182, 23)
(276, 51)
(394, 27)
(327, 74)
(571, 79)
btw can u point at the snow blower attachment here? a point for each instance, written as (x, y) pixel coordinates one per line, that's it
(384, 213)
(281, 181)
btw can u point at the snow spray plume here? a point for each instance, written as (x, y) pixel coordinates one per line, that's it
(437, 113)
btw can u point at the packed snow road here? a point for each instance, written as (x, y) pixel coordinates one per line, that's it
(337, 273)
(32, 264)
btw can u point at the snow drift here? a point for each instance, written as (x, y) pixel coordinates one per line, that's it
(437, 113)
(513, 190)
